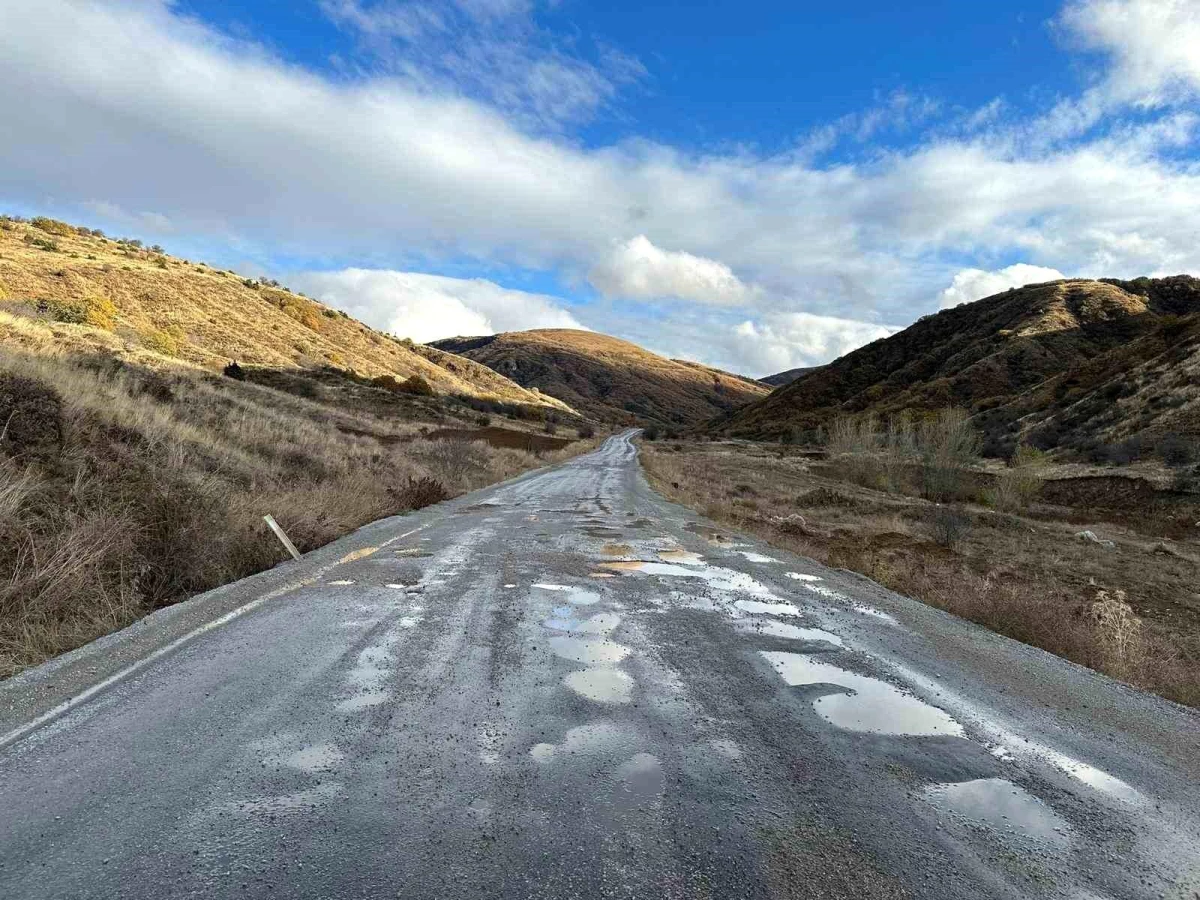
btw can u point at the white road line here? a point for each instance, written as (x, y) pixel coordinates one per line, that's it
(67, 705)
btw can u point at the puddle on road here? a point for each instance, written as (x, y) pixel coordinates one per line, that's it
(641, 783)
(575, 596)
(687, 557)
(772, 628)
(758, 608)
(546, 586)
(600, 623)
(309, 799)
(602, 575)
(875, 613)
(341, 582)
(604, 685)
(1000, 805)
(872, 706)
(601, 532)
(413, 553)
(596, 737)
(756, 557)
(318, 758)
(802, 576)
(589, 651)
(727, 748)
(716, 576)
(1091, 776)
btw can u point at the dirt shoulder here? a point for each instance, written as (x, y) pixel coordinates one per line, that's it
(1027, 575)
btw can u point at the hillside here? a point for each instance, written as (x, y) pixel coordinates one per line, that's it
(607, 378)
(1075, 364)
(779, 379)
(118, 297)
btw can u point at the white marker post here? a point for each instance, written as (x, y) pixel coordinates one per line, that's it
(283, 538)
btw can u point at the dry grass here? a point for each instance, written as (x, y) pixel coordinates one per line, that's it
(137, 302)
(1132, 612)
(123, 489)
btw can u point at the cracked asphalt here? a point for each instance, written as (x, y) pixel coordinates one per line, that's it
(564, 686)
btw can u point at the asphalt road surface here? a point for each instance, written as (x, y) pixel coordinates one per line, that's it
(456, 704)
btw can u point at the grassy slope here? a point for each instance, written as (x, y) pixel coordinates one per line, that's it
(1066, 363)
(1024, 574)
(164, 306)
(134, 474)
(610, 379)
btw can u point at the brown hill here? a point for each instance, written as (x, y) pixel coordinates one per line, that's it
(607, 378)
(1066, 364)
(779, 379)
(121, 298)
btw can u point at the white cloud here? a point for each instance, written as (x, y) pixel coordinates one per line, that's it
(639, 270)
(428, 307)
(246, 150)
(1153, 47)
(782, 341)
(975, 284)
(492, 50)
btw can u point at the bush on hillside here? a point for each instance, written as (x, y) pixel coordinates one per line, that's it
(234, 371)
(52, 226)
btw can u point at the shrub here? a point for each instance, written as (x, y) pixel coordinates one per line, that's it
(950, 526)
(417, 386)
(329, 313)
(587, 430)
(166, 341)
(650, 432)
(234, 371)
(1018, 487)
(551, 427)
(160, 261)
(417, 493)
(483, 421)
(96, 311)
(1176, 450)
(52, 226)
(1119, 632)
(949, 446)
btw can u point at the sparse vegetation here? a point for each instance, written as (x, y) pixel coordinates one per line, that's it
(1129, 610)
(123, 489)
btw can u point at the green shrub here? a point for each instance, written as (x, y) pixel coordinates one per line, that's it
(99, 312)
(52, 226)
(167, 341)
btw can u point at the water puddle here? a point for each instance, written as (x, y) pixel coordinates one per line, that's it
(726, 748)
(589, 651)
(318, 758)
(772, 628)
(716, 576)
(597, 737)
(758, 608)
(600, 623)
(341, 582)
(616, 550)
(802, 576)
(756, 557)
(687, 557)
(309, 799)
(604, 685)
(602, 575)
(641, 783)
(871, 705)
(875, 613)
(545, 586)
(1091, 776)
(1000, 805)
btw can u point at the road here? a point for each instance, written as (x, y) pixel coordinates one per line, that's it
(455, 704)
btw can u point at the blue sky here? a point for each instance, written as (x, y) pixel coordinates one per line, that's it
(757, 185)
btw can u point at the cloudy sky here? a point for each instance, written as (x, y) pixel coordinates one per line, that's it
(756, 184)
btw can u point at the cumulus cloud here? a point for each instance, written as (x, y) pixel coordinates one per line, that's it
(1153, 47)
(975, 284)
(784, 341)
(243, 148)
(638, 269)
(428, 307)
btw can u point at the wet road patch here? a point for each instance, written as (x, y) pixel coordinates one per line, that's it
(1002, 806)
(862, 703)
